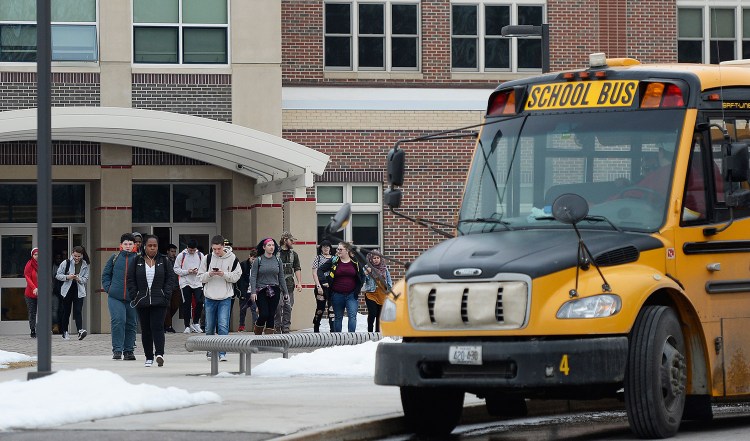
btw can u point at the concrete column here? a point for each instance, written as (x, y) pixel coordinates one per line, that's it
(112, 212)
(300, 219)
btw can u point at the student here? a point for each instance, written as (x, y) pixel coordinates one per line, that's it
(31, 274)
(377, 284)
(246, 300)
(150, 280)
(186, 267)
(267, 285)
(345, 278)
(123, 318)
(74, 273)
(218, 272)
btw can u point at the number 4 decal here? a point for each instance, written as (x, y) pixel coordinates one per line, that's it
(564, 368)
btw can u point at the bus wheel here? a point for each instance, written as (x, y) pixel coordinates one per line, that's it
(432, 411)
(655, 376)
(509, 406)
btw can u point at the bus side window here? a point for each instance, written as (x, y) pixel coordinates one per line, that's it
(695, 203)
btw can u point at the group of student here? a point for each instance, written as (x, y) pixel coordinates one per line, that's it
(71, 278)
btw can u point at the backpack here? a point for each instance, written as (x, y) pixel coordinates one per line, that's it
(57, 288)
(235, 289)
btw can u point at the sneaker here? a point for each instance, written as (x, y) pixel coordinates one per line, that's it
(187, 330)
(148, 363)
(208, 355)
(65, 336)
(170, 330)
(196, 328)
(222, 357)
(117, 355)
(82, 334)
(33, 333)
(128, 355)
(241, 329)
(160, 360)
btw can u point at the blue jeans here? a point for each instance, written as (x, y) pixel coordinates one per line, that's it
(124, 322)
(217, 313)
(341, 301)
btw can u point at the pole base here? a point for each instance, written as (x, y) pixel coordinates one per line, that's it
(38, 374)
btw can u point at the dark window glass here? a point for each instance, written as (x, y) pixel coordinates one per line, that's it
(150, 203)
(14, 305)
(464, 53)
(464, 20)
(337, 18)
(404, 52)
(497, 53)
(18, 203)
(365, 229)
(690, 51)
(495, 17)
(16, 251)
(404, 19)
(204, 45)
(18, 43)
(721, 50)
(529, 53)
(371, 19)
(338, 52)
(194, 203)
(371, 51)
(530, 15)
(745, 49)
(155, 45)
(69, 203)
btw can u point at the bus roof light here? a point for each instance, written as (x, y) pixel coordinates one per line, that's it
(583, 75)
(600, 74)
(673, 97)
(598, 59)
(652, 96)
(502, 103)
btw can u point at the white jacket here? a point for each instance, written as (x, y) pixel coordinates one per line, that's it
(183, 263)
(219, 287)
(83, 277)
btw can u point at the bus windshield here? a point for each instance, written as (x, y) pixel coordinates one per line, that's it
(619, 161)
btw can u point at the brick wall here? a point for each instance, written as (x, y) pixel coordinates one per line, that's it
(652, 30)
(207, 96)
(18, 90)
(435, 175)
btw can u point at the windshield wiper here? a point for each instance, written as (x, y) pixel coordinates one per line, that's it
(589, 218)
(487, 220)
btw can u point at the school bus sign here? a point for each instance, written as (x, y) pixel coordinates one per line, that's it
(579, 95)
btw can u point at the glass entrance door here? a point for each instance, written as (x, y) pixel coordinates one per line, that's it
(202, 235)
(15, 251)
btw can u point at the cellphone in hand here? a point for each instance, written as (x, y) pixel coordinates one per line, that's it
(215, 269)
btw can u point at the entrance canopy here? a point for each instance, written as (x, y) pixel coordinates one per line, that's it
(276, 163)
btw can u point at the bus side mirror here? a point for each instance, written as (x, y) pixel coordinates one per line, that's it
(396, 160)
(736, 162)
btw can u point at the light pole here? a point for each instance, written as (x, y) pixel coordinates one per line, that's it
(531, 31)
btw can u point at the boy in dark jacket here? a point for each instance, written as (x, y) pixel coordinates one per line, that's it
(123, 317)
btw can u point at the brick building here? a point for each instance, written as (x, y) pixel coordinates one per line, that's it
(191, 118)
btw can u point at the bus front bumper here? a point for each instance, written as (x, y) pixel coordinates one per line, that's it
(508, 365)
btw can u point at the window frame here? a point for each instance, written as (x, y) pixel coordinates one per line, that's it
(171, 221)
(94, 24)
(482, 34)
(357, 208)
(739, 7)
(388, 35)
(180, 26)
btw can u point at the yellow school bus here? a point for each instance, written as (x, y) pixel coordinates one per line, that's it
(602, 249)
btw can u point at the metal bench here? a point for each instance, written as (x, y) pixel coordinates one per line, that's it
(246, 345)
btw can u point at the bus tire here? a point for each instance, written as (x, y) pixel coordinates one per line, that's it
(655, 376)
(432, 411)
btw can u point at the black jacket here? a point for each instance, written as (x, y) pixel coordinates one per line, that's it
(327, 272)
(160, 293)
(244, 283)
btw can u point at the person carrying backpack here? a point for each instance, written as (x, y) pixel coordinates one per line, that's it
(74, 275)
(124, 319)
(267, 284)
(219, 271)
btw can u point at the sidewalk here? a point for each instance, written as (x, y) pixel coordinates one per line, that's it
(269, 407)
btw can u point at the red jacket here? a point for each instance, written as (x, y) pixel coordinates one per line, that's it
(30, 273)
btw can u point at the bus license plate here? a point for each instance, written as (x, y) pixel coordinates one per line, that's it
(465, 355)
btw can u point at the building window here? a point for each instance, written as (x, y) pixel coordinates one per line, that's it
(74, 30)
(18, 203)
(476, 43)
(367, 213)
(708, 34)
(380, 36)
(180, 31)
(174, 203)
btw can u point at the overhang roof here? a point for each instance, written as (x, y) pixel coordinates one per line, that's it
(274, 162)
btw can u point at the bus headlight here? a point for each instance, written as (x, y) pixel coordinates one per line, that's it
(388, 314)
(603, 305)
